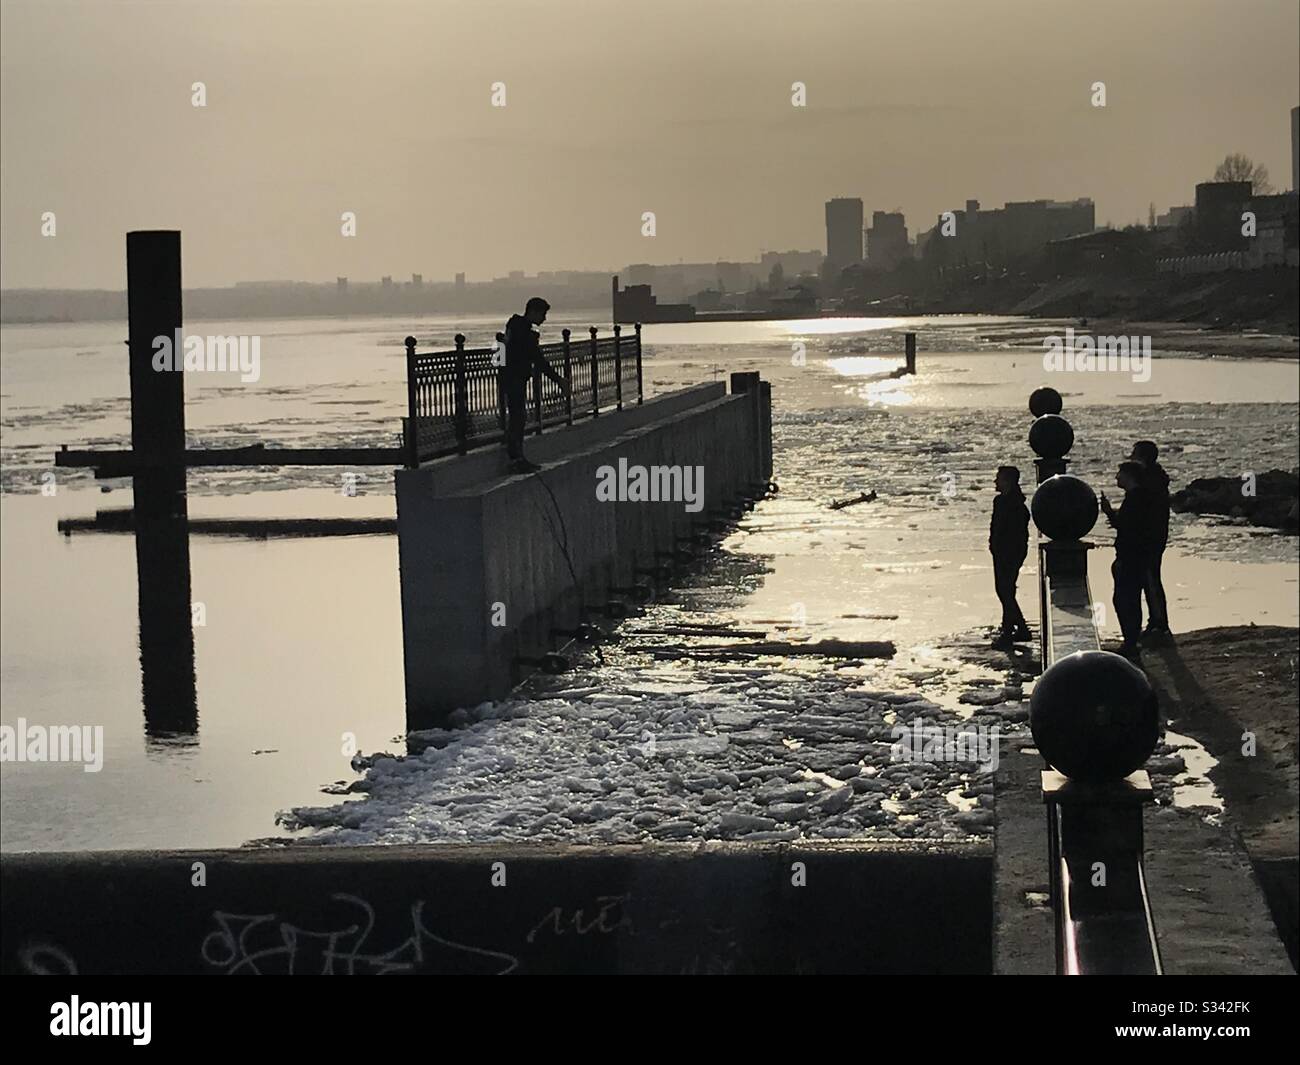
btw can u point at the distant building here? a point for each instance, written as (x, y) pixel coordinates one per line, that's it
(792, 263)
(341, 286)
(843, 233)
(1102, 249)
(1277, 230)
(417, 281)
(516, 275)
(637, 303)
(1220, 243)
(709, 299)
(1008, 232)
(732, 277)
(460, 282)
(1175, 217)
(682, 281)
(887, 243)
(640, 274)
(1219, 205)
(1295, 149)
(386, 283)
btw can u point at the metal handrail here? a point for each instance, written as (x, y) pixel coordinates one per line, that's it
(1101, 910)
(455, 401)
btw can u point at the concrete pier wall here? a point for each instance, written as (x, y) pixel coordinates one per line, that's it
(492, 565)
(664, 908)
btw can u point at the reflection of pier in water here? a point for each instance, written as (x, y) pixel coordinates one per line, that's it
(159, 520)
(162, 556)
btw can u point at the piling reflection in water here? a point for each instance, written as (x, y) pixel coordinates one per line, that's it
(162, 562)
(162, 528)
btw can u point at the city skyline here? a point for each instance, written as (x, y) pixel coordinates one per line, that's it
(442, 182)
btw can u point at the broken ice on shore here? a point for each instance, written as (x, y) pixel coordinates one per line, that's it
(712, 754)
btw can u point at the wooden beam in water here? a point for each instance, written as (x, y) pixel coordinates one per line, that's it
(124, 521)
(124, 463)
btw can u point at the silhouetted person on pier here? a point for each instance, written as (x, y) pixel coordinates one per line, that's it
(1132, 552)
(1156, 489)
(1009, 543)
(523, 354)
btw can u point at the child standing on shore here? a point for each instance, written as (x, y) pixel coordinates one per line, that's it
(1008, 544)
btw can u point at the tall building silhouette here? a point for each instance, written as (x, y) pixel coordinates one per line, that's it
(887, 240)
(843, 232)
(1295, 149)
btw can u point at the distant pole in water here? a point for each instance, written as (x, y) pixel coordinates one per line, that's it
(153, 294)
(910, 341)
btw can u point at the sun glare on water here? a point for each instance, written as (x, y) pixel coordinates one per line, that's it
(878, 385)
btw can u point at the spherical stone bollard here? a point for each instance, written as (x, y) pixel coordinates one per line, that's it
(1064, 507)
(1051, 436)
(1044, 401)
(1094, 716)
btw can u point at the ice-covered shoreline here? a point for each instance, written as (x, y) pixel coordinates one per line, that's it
(749, 753)
(775, 748)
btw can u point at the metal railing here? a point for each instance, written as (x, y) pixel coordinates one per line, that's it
(1102, 927)
(455, 401)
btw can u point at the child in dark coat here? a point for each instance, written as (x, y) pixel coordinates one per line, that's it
(1009, 544)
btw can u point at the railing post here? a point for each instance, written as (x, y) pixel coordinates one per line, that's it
(461, 398)
(537, 396)
(640, 391)
(568, 380)
(595, 376)
(412, 409)
(500, 379)
(618, 369)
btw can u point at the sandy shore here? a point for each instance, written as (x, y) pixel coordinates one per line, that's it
(1221, 687)
(1169, 338)
(1233, 690)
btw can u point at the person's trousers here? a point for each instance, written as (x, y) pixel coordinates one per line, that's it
(1130, 577)
(1157, 605)
(1006, 571)
(516, 397)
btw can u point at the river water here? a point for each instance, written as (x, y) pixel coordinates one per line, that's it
(297, 641)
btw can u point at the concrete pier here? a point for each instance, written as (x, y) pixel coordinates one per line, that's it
(493, 564)
(664, 908)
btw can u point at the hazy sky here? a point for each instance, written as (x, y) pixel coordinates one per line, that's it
(383, 107)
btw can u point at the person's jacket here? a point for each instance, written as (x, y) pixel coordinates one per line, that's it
(1132, 522)
(524, 351)
(1156, 491)
(1009, 529)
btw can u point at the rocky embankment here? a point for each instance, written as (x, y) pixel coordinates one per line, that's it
(1271, 500)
